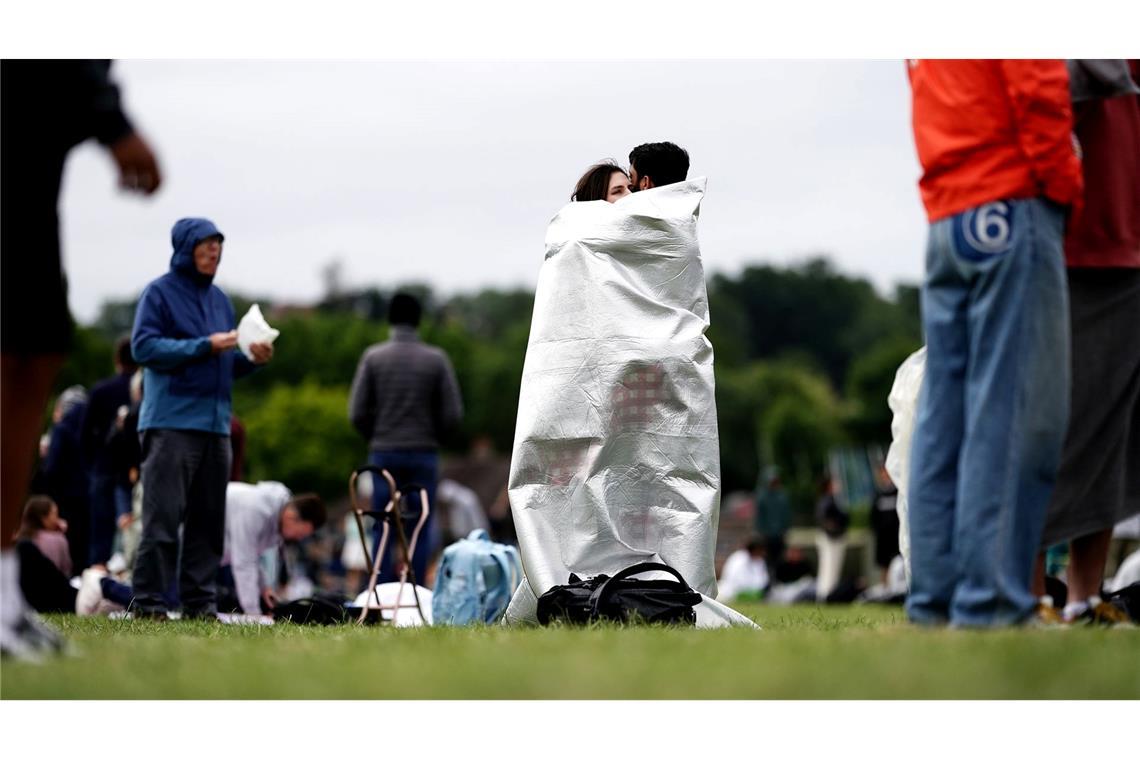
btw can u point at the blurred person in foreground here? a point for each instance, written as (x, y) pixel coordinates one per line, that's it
(1000, 175)
(1098, 484)
(404, 401)
(185, 340)
(48, 108)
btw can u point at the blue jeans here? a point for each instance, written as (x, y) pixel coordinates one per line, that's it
(992, 412)
(116, 592)
(421, 468)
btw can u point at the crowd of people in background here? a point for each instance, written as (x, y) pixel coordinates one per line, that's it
(1028, 432)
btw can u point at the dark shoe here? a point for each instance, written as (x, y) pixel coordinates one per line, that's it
(208, 613)
(148, 613)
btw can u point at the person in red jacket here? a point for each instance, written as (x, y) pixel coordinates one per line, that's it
(1098, 483)
(1000, 175)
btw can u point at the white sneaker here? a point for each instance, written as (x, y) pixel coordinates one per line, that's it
(117, 564)
(90, 596)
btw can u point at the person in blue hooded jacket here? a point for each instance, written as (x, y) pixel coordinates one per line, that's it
(184, 338)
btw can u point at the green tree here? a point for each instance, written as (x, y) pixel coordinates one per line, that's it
(780, 412)
(90, 360)
(300, 435)
(807, 309)
(868, 385)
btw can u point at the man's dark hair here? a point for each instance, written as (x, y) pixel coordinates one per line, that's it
(663, 162)
(595, 183)
(310, 509)
(404, 309)
(124, 356)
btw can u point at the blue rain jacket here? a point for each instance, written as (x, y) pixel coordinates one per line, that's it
(185, 386)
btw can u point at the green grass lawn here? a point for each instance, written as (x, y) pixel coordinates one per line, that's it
(803, 652)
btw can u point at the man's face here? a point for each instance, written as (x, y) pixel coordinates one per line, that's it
(207, 254)
(293, 528)
(638, 182)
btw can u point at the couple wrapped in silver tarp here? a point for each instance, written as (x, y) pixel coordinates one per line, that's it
(616, 457)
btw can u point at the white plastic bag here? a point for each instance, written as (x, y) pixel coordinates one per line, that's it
(903, 401)
(254, 329)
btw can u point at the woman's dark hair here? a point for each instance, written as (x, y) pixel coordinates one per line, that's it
(35, 513)
(595, 183)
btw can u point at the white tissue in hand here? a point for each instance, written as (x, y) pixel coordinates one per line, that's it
(254, 329)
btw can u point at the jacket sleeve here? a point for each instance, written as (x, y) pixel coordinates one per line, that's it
(450, 412)
(149, 345)
(361, 400)
(1039, 94)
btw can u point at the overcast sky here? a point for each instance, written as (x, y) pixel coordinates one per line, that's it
(448, 172)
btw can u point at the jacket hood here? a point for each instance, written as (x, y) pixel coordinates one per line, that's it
(186, 234)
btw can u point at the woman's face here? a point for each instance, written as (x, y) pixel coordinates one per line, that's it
(619, 186)
(52, 521)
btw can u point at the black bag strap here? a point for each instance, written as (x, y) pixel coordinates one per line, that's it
(599, 597)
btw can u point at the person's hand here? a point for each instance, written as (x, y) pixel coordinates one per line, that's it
(223, 341)
(138, 169)
(62, 525)
(262, 352)
(125, 521)
(133, 475)
(268, 598)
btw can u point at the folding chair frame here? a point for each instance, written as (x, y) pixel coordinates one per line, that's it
(391, 522)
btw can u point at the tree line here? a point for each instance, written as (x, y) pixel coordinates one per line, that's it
(804, 358)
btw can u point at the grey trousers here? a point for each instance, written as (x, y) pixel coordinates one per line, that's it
(184, 477)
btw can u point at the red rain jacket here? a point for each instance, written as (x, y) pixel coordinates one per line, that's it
(990, 130)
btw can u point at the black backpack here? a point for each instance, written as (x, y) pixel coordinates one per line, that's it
(314, 610)
(622, 598)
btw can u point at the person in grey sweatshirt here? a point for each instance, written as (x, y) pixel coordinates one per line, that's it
(404, 401)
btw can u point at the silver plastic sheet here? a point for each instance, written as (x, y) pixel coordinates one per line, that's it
(903, 402)
(616, 457)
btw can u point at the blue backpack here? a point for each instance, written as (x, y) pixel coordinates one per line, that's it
(475, 581)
